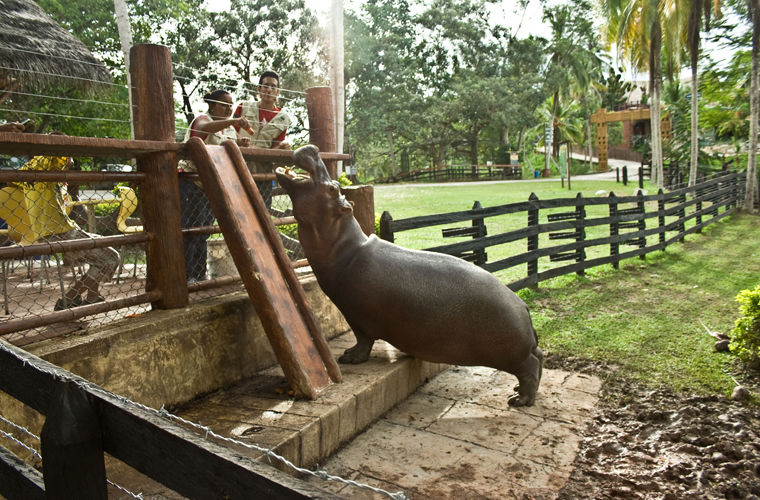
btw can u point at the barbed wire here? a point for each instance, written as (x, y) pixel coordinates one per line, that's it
(21, 443)
(321, 474)
(20, 428)
(86, 385)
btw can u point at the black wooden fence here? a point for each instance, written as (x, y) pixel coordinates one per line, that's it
(631, 227)
(84, 421)
(456, 173)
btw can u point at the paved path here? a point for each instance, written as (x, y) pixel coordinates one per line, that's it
(456, 437)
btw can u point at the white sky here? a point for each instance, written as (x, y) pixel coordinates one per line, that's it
(526, 22)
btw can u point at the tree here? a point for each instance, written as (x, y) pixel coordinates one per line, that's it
(573, 53)
(257, 35)
(754, 106)
(697, 9)
(636, 27)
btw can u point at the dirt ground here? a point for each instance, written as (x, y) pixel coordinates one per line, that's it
(645, 444)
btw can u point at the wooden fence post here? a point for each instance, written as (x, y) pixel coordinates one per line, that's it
(533, 240)
(614, 230)
(581, 232)
(682, 217)
(363, 200)
(72, 450)
(319, 107)
(698, 193)
(480, 255)
(641, 177)
(642, 223)
(386, 231)
(661, 215)
(153, 100)
(625, 175)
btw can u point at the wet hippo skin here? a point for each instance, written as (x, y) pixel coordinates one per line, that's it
(433, 306)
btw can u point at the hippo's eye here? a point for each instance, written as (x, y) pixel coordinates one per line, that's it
(334, 187)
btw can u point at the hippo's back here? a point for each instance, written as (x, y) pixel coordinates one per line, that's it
(432, 305)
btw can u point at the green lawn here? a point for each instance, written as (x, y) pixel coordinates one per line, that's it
(643, 319)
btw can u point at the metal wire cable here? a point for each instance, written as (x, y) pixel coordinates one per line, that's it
(5, 47)
(67, 98)
(64, 76)
(64, 116)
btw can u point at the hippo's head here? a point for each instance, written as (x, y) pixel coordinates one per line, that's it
(316, 197)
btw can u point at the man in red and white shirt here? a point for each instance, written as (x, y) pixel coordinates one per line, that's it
(268, 125)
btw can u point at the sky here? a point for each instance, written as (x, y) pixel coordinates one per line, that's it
(530, 23)
(527, 22)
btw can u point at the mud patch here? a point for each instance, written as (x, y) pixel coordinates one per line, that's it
(645, 444)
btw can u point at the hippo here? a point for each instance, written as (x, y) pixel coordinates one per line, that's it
(432, 306)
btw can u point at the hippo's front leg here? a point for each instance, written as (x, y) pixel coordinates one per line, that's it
(360, 352)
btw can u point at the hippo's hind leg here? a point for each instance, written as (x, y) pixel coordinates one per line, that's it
(528, 377)
(360, 352)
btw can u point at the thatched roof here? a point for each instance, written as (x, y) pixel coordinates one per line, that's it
(39, 51)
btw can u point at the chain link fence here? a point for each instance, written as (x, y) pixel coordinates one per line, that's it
(56, 213)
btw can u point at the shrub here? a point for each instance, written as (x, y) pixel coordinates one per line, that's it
(745, 338)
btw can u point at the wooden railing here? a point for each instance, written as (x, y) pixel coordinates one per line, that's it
(626, 219)
(138, 436)
(156, 153)
(456, 173)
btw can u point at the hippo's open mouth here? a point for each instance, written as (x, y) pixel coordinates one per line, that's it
(290, 174)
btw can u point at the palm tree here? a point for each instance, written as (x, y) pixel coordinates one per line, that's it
(697, 10)
(750, 191)
(636, 27)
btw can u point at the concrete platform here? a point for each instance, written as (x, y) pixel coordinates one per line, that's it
(454, 436)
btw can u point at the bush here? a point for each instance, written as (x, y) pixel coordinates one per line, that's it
(745, 338)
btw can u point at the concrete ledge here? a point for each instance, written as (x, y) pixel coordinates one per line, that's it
(259, 411)
(171, 357)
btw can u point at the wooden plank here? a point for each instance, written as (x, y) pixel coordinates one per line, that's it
(72, 451)
(562, 216)
(264, 267)
(172, 455)
(455, 232)
(19, 479)
(66, 145)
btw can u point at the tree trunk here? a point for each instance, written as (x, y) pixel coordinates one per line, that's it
(750, 191)
(392, 152)
(694, 122)
(474, 148)
(655, 84)
(555, 141)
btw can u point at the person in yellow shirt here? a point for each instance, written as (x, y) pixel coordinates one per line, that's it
(35, 214)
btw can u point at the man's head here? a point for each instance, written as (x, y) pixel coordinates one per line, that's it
(269, 89)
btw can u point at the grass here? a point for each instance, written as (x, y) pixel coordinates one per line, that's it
(643, 319)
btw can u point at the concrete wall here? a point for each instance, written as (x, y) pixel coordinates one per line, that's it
(171, 357)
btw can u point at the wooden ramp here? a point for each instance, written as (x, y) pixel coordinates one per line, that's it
(263, 265)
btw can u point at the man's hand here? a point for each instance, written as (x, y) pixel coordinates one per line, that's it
(244, 142)
(281, 145)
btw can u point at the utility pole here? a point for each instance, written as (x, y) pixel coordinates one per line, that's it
(336, 73)
(121, 14)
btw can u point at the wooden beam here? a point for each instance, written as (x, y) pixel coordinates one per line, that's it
(65, 145)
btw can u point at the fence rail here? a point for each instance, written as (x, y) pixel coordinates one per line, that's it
(456, 173)
(625, 224)
(138, 436)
